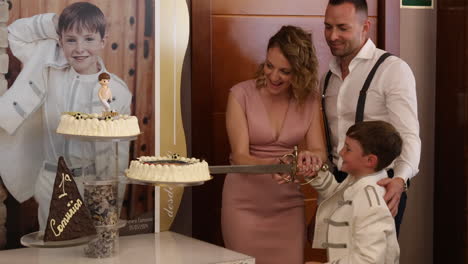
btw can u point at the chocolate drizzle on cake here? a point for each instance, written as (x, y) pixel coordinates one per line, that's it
(68, 216)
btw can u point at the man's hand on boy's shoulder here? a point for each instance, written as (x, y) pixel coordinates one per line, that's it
(394, 188)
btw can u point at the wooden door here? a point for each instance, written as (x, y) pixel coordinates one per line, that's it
(451, 134)
(229, 40)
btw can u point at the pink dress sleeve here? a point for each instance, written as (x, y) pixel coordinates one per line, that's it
(239, 91)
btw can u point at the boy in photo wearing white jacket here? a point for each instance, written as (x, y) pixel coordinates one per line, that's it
(353, 221)
(61, 65)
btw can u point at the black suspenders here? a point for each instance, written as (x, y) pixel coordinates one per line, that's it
(325, 120)
(365, 87)
(361, 101)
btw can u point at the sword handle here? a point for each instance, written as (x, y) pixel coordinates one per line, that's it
(294, 165)
(293, 157)
(317, 169)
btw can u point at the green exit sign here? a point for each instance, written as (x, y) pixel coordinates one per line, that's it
(417, 3)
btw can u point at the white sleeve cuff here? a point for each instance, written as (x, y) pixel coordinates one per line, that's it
(10, 119)
(18, 103)
(403, 171)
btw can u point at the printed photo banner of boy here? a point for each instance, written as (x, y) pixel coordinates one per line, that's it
(129, 54)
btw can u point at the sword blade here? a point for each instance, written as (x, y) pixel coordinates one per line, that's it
(251, 169)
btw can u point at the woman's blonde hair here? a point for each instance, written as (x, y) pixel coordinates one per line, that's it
(296, 46)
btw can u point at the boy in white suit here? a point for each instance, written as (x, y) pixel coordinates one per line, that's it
(61, 64)
(353, 221)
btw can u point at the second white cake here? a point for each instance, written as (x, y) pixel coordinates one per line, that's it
(168, 169)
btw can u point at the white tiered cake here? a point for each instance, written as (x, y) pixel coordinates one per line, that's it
(75, 123)
(168, 169)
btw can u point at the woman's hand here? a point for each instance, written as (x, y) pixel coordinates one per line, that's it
(308, 164)
(281, 178)
(284, 178)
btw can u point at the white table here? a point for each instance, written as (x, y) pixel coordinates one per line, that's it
(162, 248)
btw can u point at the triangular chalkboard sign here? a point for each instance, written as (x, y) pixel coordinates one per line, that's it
(69, 218)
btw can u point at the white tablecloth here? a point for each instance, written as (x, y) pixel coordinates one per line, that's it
(161, 248)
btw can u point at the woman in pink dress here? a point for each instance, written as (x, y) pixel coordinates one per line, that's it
(266, 117)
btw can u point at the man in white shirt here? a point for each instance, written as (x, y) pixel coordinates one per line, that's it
(391, 95)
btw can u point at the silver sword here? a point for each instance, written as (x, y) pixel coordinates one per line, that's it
(282, 168)
(253, 169)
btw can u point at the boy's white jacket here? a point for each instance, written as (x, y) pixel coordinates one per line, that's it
(353, 221)
(21, 126)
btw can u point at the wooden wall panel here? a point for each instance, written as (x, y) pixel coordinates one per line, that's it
(220, 139)
(142, 197)
(30, 8)
(465, 147)
(206, 216)
(277, 7)
(52, 6)
(118, 33)
(239, 46)
(201, 80)
(126, 41)
(144, 92)
(389, 14)
(450, 193)
(14, 11)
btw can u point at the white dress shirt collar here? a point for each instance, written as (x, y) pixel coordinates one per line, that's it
(366, 53)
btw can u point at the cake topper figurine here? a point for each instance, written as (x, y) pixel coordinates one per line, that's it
(105, 94)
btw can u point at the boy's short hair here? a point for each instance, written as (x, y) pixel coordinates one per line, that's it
(82, 15)
(378, 138)
(104, 75)
(360, 5)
